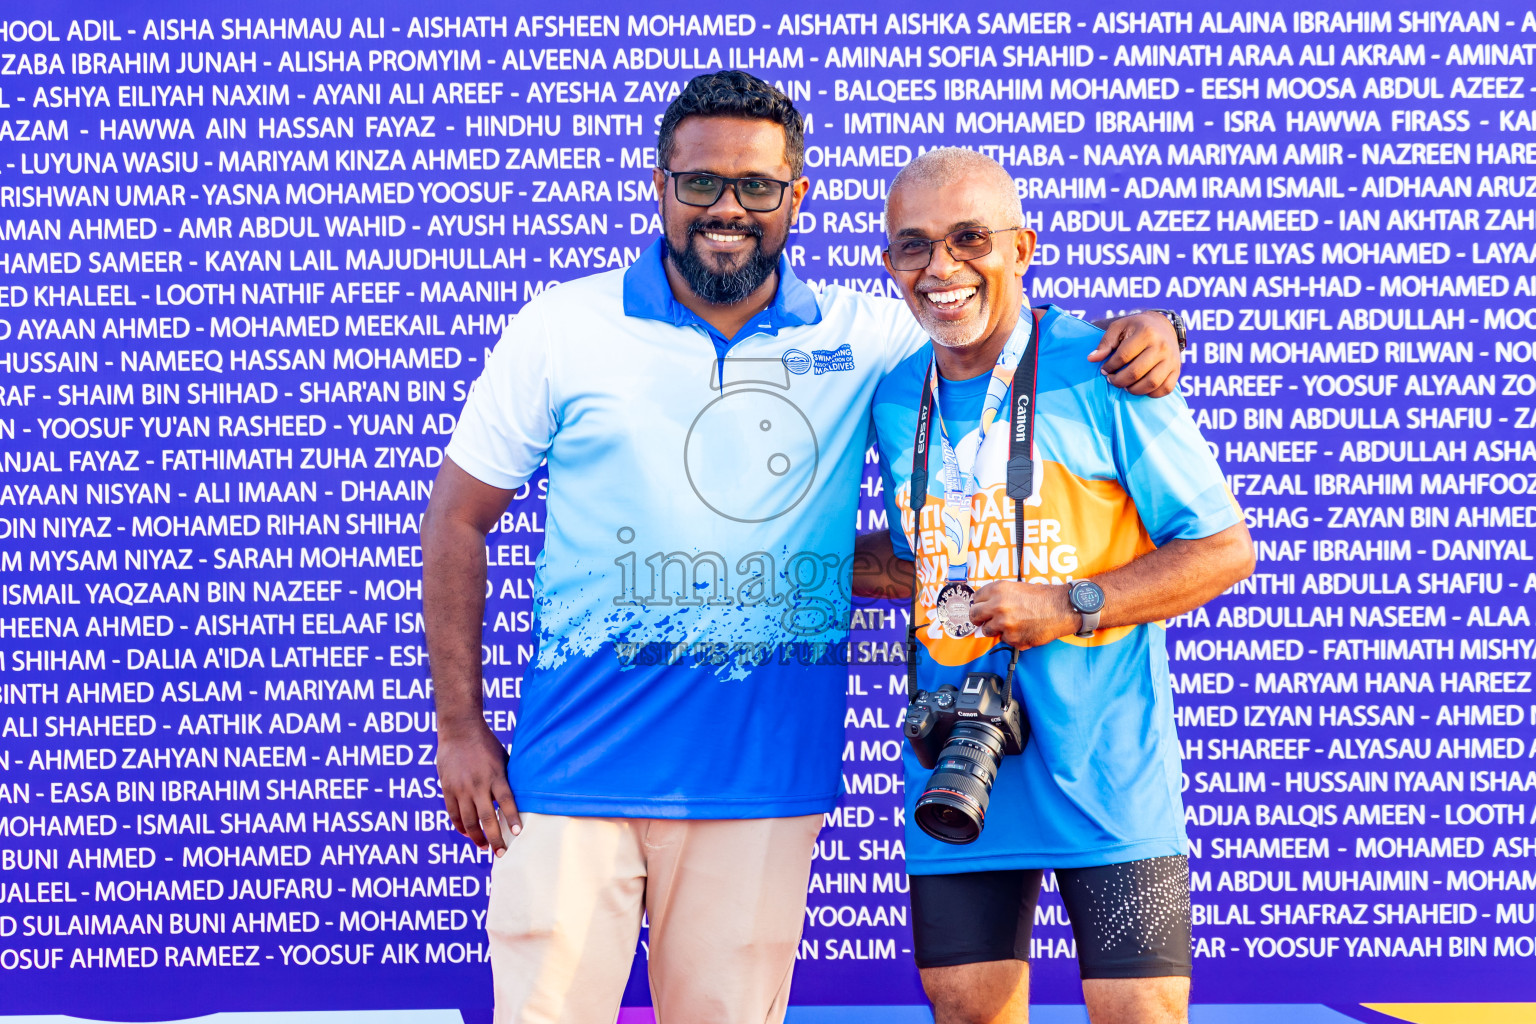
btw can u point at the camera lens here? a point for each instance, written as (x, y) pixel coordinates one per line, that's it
(953, 806)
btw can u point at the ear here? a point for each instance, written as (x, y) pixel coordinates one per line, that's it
(660, 181)
(1024, 252)
(797, 192)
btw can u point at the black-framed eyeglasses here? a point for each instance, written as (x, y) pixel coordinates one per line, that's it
(964, 245)
(698, 188)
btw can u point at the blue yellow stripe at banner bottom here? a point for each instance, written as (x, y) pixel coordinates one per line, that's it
(1459, 1013)
(1231, 1013)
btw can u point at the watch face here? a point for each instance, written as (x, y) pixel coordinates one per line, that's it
(1087, 597)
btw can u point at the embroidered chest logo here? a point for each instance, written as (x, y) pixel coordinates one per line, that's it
(840, 358)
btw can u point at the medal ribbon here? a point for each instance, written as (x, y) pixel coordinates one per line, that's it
(959, 463)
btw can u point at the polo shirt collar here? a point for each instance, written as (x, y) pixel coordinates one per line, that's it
(648, 295)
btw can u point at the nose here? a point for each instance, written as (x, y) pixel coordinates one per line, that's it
(941, 264)
(728, 207)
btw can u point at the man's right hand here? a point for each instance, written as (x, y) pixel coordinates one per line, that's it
(472, 769)
(1141, 354)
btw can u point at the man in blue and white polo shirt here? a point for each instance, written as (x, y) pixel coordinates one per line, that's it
(705, 417)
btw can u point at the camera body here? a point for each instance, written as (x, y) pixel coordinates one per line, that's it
(932, 716)
(963, 736)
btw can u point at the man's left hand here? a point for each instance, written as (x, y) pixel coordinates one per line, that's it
(1140, 353)
(1023, 615)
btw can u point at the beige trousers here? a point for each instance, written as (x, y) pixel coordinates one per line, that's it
(725, 899)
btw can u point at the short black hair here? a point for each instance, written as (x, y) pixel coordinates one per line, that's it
(734, 94)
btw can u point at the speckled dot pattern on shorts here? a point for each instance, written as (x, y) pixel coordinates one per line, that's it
(1144, 902)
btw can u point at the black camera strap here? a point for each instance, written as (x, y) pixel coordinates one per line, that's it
(1020, 480)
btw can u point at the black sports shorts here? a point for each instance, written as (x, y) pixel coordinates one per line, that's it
(1130, 920)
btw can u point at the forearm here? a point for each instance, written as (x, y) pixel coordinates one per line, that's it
(1176, 578)
(1179, 576)
(877, 572)
(471, 762)
(453, 608)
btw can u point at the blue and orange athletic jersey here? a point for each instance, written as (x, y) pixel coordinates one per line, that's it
(1116, 475)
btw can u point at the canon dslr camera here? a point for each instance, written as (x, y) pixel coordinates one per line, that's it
(962, 734)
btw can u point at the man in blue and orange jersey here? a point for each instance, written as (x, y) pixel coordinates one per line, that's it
(1071, 517)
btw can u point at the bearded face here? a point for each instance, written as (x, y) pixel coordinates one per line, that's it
(726, 252)
(724, 261)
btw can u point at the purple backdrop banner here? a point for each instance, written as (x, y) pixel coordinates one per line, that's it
(253, 255)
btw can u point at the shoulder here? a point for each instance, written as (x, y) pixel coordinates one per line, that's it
(837, 300)
(584, 298)
(863, 312)
(1065, 341)
(879, 329)
(1062, 333)
(535, 342)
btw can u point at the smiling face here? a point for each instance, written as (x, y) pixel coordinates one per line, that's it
(961, 304)
(726, 253)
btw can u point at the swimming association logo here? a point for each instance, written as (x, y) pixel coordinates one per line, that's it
(840, 358)
(796, 361)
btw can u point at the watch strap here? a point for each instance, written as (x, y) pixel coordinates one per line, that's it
(1179, 330)
(1090, 623)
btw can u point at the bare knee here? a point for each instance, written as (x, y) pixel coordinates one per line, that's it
(1137, 1000)
(996, 992)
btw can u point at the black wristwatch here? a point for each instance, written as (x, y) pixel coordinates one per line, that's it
(1179, 330)
(1087, 599)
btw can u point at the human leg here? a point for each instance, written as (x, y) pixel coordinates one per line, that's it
(1132, 925)
(996, 992)
(971, 934)
(726, 901)
(563, 919)
(1137, 1000)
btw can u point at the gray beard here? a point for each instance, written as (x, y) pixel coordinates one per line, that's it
(730, 287)
(955, 335)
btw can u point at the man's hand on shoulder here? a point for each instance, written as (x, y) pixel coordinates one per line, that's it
(472, 769)
(1023, 615)
(1140, 353)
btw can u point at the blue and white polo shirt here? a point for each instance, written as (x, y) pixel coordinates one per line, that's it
(693, 592)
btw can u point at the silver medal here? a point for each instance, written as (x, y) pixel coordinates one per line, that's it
(953, 609)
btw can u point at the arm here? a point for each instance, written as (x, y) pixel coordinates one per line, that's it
(877, 571)
(1140, 353)
(471, 762)
(1177, 577)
